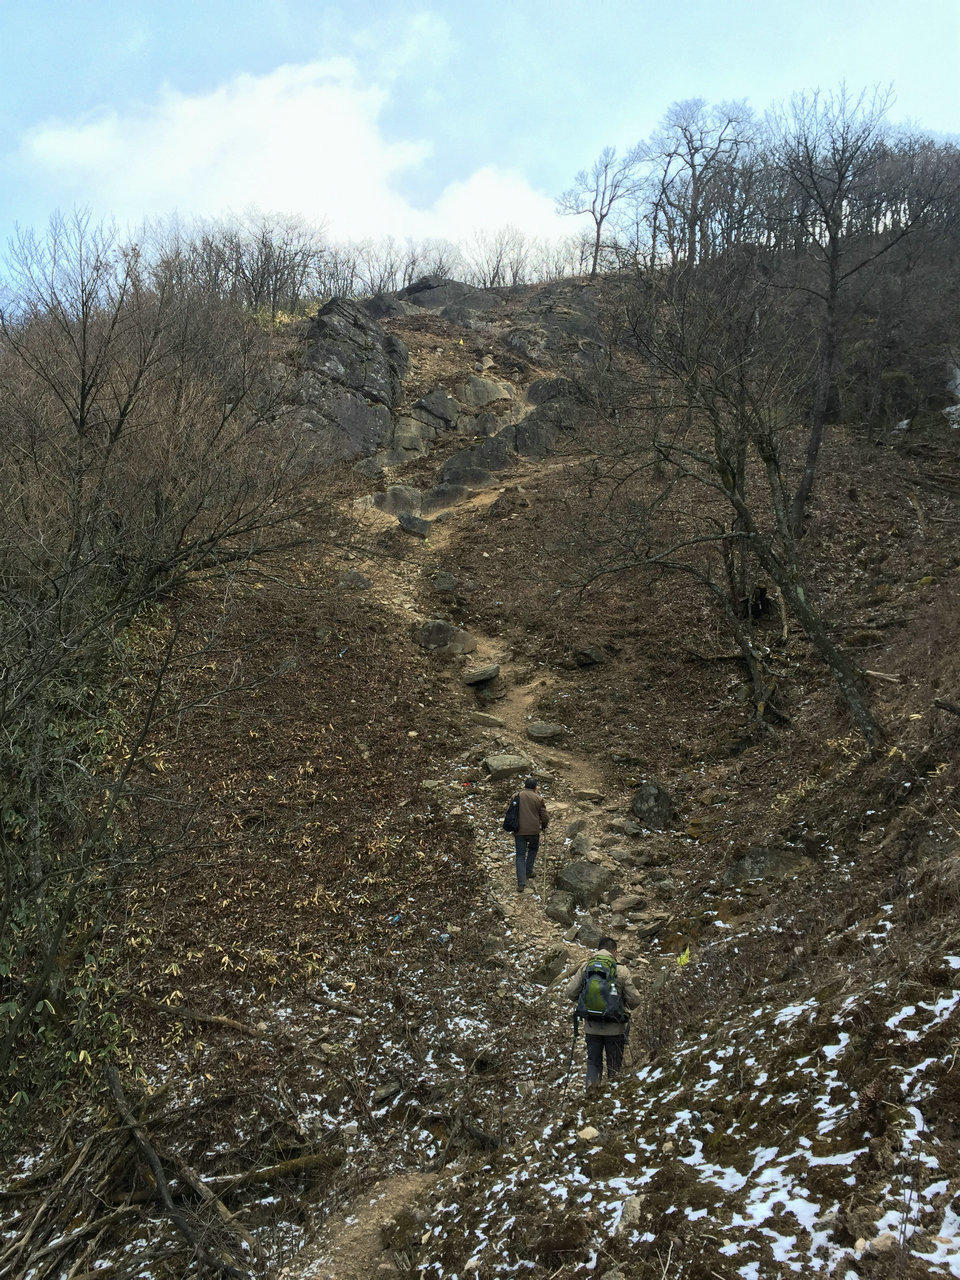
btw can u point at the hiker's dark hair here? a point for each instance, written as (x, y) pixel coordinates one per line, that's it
(608, 944)
(531, 784)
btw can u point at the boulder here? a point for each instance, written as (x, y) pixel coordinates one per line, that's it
(589, 934)
(414, 525)
(489, 722)
(537, 433)
(626, 903)
(650, 922)
(383, 307)
(493, 454)
(506, 766)
(408, 435)
(587, 881)
(561, 907)
(653, 807)
(398, 498)
(480, 675)
(625, 827)
(541, 731)
(589, 656)
(477, 393)
(463, 471)
(550, 967)
(580, 844)
(434, 633)
(356, 580)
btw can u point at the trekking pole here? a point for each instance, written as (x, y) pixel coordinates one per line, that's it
(573, 1044)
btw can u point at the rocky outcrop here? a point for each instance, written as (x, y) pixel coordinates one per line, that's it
(349, 382)
(457, 302)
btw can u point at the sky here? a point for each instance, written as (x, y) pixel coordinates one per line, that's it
(387, 118)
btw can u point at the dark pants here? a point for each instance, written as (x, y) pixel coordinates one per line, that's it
(527, 847)
(614, 1046)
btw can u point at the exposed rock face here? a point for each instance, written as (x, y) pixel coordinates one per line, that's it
(587, 881)
(653, 807)
(763, 862)
(449, 297)
(350, 381)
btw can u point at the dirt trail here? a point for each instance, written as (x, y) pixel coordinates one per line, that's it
(351, 1247)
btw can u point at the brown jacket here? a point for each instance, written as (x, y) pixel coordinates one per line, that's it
(533, 813)
(631, 996)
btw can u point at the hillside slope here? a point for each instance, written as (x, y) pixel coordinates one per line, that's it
(347, 1020)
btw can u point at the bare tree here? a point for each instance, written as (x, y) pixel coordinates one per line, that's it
(141, 446)
(845, 211)
(691, 161)
(687, 476)
(597, 191)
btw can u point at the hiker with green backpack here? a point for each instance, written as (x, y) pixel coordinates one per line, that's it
(604, 993)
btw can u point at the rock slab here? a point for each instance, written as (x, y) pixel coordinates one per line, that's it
(587, 881)
(506, 766)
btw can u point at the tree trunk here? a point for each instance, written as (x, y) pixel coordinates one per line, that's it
(821, 399)
(596, 251)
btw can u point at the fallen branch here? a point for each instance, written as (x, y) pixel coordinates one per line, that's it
(883, 675)
(286, 1169)
(176, 1216)
(946, 705)
(197, 1185)
(197, 1015)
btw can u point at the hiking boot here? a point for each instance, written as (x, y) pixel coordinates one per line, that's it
(519, 888)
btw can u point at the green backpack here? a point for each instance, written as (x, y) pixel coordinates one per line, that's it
(600, 999)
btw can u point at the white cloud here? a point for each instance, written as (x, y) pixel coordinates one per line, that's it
(304, 139)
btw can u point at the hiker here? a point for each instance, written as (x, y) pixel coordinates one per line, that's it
(531, 818)
(604, 991)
